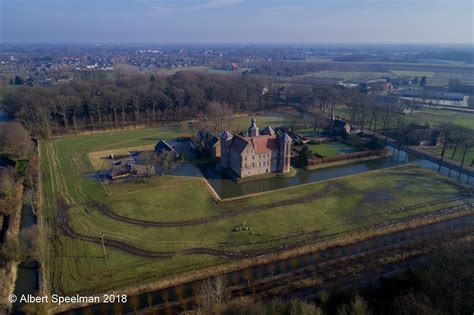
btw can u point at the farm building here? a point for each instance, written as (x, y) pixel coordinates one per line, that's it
(426, 137)
(162, 145)
(212, 143)
(337, 125)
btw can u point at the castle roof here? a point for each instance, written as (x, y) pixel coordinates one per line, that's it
(226, 134)
(264, 144)
(268, 130)
(239, 143)
(286, 138)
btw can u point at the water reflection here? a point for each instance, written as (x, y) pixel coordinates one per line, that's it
(226, 188)
(4, 116)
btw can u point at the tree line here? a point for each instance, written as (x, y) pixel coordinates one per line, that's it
(129, 97)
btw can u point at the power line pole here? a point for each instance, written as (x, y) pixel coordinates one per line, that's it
(103, 244)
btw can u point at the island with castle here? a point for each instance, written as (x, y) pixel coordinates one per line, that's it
(257, 153)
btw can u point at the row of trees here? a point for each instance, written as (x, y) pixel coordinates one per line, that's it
(129, 97)
(457, 138)
(19, 169)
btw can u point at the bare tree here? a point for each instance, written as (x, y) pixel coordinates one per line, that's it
(15, 140)
(167, 160)
(149, 159)
(318, 118)
(448, 131)
(212, 298)
(219, 116)
(468, 144)
(29, 198)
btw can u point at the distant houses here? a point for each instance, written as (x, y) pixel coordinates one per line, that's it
(434, 96)
(426, 137)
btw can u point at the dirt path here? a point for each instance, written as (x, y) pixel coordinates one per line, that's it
(107, 211)
(62, 223)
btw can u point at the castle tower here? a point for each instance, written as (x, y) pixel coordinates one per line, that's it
(226, 140)
(284, 153)
(253, 130)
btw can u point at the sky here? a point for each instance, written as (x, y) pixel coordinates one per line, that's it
(237, 21)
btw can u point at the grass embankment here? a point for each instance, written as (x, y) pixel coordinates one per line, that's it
(283, 217)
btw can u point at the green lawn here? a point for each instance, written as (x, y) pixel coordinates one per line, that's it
(413, 74)
(76, 265)
(331, 148)
(434, 117)
(457, 156)
(242, 123)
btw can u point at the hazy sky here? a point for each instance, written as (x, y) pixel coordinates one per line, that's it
(237, 21)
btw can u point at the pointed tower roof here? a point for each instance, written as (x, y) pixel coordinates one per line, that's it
(253, 130)
(268, 130)
(226, 134)
(285, 138)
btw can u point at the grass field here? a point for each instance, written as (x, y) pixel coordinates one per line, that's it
(331, 148)
(433, 116)
(413, 74)
(165, 226)
(437, 117)
(449, 152)
(437, 73)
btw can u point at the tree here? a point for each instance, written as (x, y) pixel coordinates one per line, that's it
(358, 306)
(167, 160)
(375, 144)
(318, 118)
(29, 198)
(19, 80)
(423, 81)
(305, 155)
(14, 140)
(448, 131)
(219, 116)
(213, 296)
(416, 81)
(467, 143)
(149, 159)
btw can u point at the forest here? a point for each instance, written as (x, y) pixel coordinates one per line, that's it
(130, 97)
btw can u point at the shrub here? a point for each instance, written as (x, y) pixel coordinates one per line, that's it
(375, 144)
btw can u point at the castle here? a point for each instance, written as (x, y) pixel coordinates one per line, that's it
(257, 153)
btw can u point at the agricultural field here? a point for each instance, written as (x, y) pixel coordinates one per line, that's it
(331, 148)
(168, 225)
(413, 74)
(436, 73)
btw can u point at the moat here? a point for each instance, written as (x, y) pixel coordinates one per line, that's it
(227, 188)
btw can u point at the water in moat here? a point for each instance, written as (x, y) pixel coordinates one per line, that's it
(27, 281)
(175, 299)
(4, 117)
(27, 277)
(227, 188)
